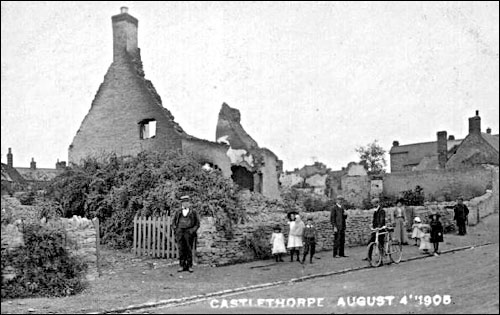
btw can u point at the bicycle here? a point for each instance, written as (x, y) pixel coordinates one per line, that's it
(391, 248)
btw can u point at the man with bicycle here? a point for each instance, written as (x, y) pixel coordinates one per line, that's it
(377, 222)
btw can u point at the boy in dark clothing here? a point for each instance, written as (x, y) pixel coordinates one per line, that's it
(309, 240)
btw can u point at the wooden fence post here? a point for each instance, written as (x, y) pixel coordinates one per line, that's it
(135, 236)
(97, 241)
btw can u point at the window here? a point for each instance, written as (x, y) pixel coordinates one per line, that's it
(147, 128)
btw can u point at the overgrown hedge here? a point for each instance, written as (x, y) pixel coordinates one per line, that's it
(116, 189)
(43, 266)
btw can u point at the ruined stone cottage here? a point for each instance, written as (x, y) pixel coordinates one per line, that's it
(127, 117)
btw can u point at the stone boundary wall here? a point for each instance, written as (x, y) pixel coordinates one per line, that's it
(214, 248)
(443, 184)
(81, 239)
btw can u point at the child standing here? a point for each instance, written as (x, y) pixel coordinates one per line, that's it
(436, 232)
(295, 235)
(278, 243)
(416, 228)
(425, 240)
(309, 240)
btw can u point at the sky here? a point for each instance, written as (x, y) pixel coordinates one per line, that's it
(312, 80)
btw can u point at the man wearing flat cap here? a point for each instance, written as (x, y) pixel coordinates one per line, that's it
(377, 222)
(461, 214)
(185, 224)
(337, 218)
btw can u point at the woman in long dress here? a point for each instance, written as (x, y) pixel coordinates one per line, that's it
(295, 235)
(398, 216)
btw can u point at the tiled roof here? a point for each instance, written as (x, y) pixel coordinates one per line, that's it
(39, 174)
(11, 175)
(493, 140)
(417, 151)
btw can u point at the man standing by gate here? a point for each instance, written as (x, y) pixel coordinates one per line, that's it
(337, 218)
(186, 222)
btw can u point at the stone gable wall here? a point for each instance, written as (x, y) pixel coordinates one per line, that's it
(111, 125)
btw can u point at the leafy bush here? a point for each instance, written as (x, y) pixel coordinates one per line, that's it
(413, 197)
(117, 189)
(305, 201)
(48, 209)
(28, 198)
(259, 243)
(43, 266)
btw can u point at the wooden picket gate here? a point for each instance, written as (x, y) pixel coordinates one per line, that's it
(154, 236)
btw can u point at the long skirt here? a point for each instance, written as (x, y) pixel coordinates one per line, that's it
(294, 241)
(400, 231)
(425, 243)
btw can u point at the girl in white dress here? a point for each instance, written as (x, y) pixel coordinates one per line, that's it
(425, 240)
(295, 235)
(417, 233)
(278, 243)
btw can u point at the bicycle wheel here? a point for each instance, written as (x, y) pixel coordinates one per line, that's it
(395, 251)
(376, 256)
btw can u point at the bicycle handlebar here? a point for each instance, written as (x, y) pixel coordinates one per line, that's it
(380, 228)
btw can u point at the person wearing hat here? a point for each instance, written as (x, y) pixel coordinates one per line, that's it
(417, 233)
(337, 219)
(377, 222)
(295, 234)
(398, 217)
(461, 214)
(437, 232)
(185, 224)
(278, 243)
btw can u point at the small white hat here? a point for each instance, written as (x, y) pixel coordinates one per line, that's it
(417, 219)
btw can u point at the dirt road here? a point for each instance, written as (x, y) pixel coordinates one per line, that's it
(470, 279)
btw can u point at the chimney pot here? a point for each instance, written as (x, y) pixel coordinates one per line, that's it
(477, 113)
(451, 137)
(33, 164)
(124, 10)
(395, 143)
(10, 158)
(488, 130)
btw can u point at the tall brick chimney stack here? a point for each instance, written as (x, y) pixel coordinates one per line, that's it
(33, 164)
(475, 124)
(442, 148)
(10, 158)
(124, 34)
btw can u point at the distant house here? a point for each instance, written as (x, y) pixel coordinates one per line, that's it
(476, 149)
(10, 179)
(447, 152)
(32, 176)
(309, 178)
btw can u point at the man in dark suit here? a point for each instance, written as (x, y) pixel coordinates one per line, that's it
(337, 218)
(461, 214)
(377, 222)
(185, 224)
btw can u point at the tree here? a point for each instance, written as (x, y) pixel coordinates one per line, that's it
(373, 155)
